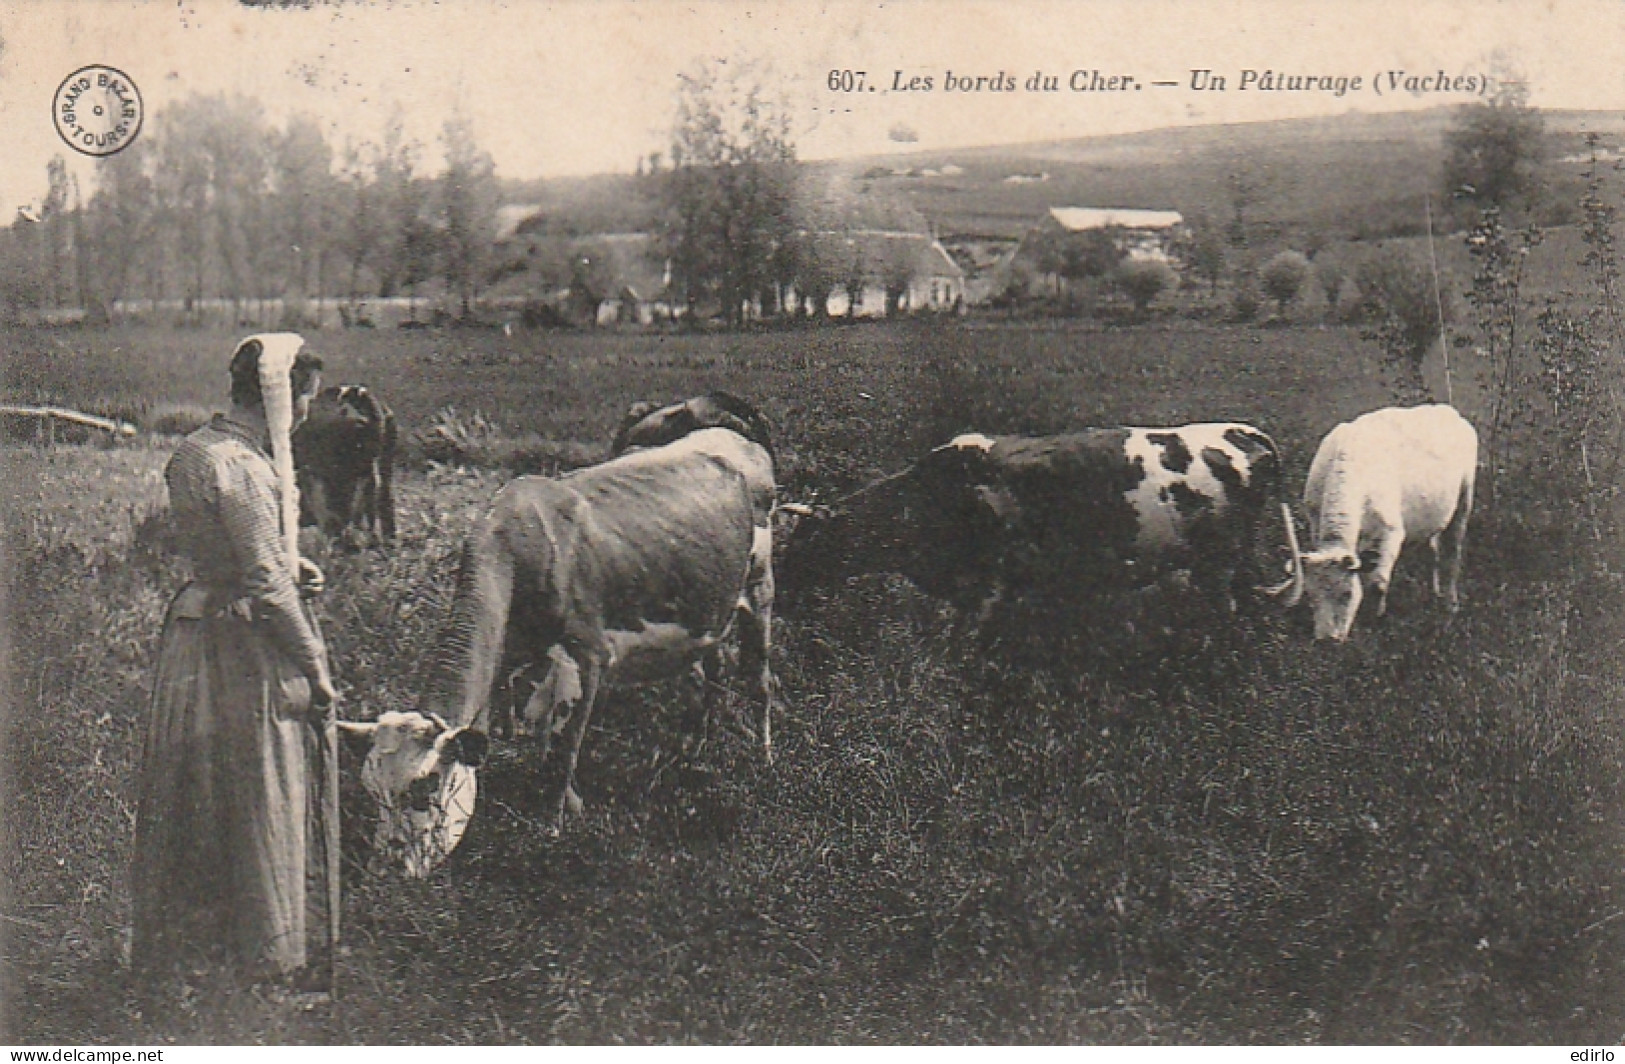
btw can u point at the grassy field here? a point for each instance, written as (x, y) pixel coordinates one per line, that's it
(1216, 834)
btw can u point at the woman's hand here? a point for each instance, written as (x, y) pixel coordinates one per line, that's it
(322, 694)
(312, 581)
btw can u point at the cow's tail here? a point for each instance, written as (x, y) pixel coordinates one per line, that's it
(386, 480)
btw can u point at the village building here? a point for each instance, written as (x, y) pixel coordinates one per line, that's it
(1141, 234)
(888, 272)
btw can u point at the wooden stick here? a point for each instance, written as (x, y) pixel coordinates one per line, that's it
(117, 428)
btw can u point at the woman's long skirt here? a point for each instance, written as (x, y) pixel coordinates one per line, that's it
(231, 842)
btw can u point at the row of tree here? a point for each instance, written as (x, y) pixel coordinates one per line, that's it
(217, 203)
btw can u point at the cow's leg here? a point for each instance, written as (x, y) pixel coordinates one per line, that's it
(1382, 572)
(696, 722)
(755, 636)
(386, 499)
(1455, 543)
(754, 626)
(369, 499)
(319, 499)
(592, 670)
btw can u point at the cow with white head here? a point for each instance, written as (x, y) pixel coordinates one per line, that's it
(1387, 478)
(618, 574)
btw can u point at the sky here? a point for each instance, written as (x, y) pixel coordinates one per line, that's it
(587, 86)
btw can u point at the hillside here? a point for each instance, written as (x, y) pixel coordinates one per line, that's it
(1351, 176)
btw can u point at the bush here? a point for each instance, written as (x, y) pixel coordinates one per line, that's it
(1284, 276)
(1143, 280)
(1400, 296)
(476, 441)
(176, 419)
(1244, 305)
(1331, 277)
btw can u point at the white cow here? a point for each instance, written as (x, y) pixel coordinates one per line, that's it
(1389, 477)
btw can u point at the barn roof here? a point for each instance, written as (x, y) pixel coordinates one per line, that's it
(510, 216)
(887, 252)
(1078, 219)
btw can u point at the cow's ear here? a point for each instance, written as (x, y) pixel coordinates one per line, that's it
(466, 746)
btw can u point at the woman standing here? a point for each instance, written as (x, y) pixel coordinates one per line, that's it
(235, 841)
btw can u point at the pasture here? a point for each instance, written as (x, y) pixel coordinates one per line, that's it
(1207, 833)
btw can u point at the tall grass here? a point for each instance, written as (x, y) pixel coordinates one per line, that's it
(1214, 833)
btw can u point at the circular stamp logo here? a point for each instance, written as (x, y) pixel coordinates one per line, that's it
(97, 110)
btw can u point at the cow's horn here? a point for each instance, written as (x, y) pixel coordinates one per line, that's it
(796, 509)
(358, 728)
(1292, 588)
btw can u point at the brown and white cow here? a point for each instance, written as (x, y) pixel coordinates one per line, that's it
(345, 456)
(1394, 476)
(624, 572)
(1058, 516)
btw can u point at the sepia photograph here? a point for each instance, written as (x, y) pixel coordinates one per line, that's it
(923, 523)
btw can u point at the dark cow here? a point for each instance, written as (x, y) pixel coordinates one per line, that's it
(345, 454)
(628, 571)
(650, 425)
(1054, 517)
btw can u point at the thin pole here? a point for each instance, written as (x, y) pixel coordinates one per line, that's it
(1438, 300)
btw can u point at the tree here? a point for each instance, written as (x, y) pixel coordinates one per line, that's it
(814, 271)
(123, 219)
(592, 279)
(469, 198)
(302, 176)
(358, 223)
(1074, 256)
(397, 205)
(1143, 280)
(855, 280)
(1398, 294)
(1201, 247)
(184, 189)
(1091, 253)
(417, 254)
(1493, 154)
(1283, 277)
(1330, 275)
(729, 194)
(54, 230)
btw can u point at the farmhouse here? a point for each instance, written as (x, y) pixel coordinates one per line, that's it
(1142, 234)
(599, 278)
(877, 272)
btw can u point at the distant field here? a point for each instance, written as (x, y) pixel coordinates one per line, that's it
(873, 392)
(1213, 835)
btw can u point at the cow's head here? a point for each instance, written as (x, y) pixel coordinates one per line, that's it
(1331, 579)
(420, 771)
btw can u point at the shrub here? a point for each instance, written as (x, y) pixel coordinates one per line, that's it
(177, 419)
(476, 441)
(1143, 280)
(1284, 276)
(1244, 304)
(1403, 300)
(1330, 276)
